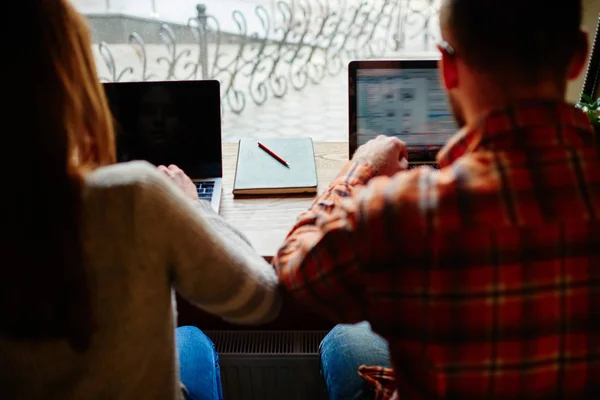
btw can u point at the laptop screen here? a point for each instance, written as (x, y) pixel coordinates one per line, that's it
(165, 123)
(406, 102)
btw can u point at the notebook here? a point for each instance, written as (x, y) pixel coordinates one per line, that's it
(260, 173)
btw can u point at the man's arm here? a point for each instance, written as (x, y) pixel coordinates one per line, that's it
(321, 262)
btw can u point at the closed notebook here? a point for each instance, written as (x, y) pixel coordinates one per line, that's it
(259, 173)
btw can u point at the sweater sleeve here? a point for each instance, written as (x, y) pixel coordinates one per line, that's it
(210, 263)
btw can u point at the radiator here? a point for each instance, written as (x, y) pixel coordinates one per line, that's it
(270, 365)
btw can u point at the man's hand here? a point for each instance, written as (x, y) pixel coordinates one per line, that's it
(388, 155)
(179, 178)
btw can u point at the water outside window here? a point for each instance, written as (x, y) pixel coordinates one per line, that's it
(282, 64)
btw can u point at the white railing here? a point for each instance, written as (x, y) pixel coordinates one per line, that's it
(265, 54)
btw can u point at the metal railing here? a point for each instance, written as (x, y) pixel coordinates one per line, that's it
(300, 44)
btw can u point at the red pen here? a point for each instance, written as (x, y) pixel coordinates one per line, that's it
(273, 154)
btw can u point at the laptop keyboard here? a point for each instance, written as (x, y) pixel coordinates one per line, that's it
(205, 190)
(434, 166)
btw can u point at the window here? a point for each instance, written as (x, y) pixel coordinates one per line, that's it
(282, 65)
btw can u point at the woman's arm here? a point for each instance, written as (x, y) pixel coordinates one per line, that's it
(211, 263)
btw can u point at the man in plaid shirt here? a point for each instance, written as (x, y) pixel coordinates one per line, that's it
(484, 276)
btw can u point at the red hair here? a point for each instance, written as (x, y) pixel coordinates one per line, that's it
(58, 127)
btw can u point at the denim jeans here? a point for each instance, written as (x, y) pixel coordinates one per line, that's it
(342, 351)
(198, 364)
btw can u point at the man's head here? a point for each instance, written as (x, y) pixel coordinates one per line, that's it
(504, 51)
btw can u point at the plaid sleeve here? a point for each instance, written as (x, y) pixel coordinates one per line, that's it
(318, 263)
(380, 380)
(323, 262)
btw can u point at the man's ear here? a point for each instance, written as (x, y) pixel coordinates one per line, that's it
(580, 58)
(449, 71)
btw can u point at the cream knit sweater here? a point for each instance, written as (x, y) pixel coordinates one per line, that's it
(142, 240)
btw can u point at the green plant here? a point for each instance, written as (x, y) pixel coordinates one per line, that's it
(592, 108)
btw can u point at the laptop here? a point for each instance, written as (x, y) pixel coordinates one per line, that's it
(175, 122)
(401, 98)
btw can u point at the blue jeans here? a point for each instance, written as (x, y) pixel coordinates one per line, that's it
(343, 350)
(198, 364)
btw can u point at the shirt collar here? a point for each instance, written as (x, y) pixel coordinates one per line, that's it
(527, 125)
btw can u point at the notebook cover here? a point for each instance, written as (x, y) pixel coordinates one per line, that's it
(258, 173)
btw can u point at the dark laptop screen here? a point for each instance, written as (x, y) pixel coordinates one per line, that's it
(166, 123)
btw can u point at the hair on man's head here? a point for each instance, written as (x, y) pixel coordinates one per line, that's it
(522, 39)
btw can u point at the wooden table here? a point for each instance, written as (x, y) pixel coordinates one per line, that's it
(266, 221)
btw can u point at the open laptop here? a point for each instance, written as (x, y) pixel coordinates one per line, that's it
(175, 122)
(402, 98)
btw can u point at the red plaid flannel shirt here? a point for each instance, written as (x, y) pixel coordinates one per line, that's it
(484, 276)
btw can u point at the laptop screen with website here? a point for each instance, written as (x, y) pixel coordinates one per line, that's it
(167, 123)
(407, 103)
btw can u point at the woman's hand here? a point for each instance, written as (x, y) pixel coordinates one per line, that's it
(181, 180)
